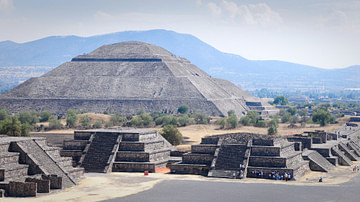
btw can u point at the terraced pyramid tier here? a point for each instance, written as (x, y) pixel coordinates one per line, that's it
(126, 77)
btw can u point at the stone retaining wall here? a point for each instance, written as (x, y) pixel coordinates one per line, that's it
(265, 151)
(203, 148)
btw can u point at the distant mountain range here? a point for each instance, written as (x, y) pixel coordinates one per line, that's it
(248, 74)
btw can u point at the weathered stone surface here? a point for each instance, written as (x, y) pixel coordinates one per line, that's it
(125, 78)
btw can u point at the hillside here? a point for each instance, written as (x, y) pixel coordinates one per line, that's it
(248, 74)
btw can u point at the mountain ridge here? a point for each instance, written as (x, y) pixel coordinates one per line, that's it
(248, 74)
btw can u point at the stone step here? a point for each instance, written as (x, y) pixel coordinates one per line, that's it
(351, 155)
(342, 159)
(317, 161)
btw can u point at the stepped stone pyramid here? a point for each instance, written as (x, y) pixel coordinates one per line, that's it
(127, 77)
(221, 156)
(28, 166)
(121, 149)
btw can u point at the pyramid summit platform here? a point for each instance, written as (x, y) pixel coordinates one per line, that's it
(127, 77)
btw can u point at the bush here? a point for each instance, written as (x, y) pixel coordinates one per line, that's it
(184, 120)
(183, 109)
(232, 121)
(136, 121)
(321, 116)
(272, 130)
(85, 121)
(54, 123)
(293, 119)
(261, 123)
(30, 117)
(97, 124)
(172, 134)
(231, 112)
(4, 115)
(44, 116)
(221, 122)
(147, 120)
(245, 120)
(71, 117)
(11, 127)
(117, 119)
(285, 117)
(201, 118)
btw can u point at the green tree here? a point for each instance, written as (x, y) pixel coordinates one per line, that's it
(293, 119)
(285, 117)
(85, 121)
(117, 119)
(44, 116)
(232, 121)
(272, 130)
(98, 124)
(304, 114)
(231, 112)
(245, 120)
(291, 110)
(261, 123)
(201, 118)
(322, 117)
(54, 123)
(281, 100)
(4, 114)
(254, 116)
(273, 122)
(12, 127)
(147, 120)
(221, 122)
(71, 118)
(25, 129)
(172, 134)
(30, 117)
(183, 109)
(136, 121)
(184, 120)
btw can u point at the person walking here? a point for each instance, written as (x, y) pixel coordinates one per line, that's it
(286, 176)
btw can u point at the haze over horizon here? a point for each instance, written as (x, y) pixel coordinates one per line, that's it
(317, 33)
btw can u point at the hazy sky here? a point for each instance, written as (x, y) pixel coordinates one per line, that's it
(322, 33)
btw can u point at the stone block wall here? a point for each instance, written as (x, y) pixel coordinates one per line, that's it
(43, 185)
(209, 140)
(263, 161)
(196, 169)
(203, 148)
(305, 141)
(22, 189)
(2, 175)
(193, 158)
(265, 151)
(75, 144)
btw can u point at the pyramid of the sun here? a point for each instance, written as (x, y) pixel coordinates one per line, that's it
(125, 78)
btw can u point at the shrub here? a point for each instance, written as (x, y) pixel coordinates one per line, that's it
(44, 116)
(4, 114)
(201, 118)
(117, 119)
(147, 120)
(261, 123)
(183, 109)
(54, 123)
(30, 117)
(184, 120)
(172, 134)
(245, 120)
(232, 121)
(71, 117)
(272, 130)
(221, 122)
(136, 121)
(97, 124)
(231, 112)
(85, 121)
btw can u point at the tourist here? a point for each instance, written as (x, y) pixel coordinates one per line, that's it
(321, 179)
(289, 176)
(234, 175)
(286, 176)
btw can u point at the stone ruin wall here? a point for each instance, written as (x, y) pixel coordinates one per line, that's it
(127, 107)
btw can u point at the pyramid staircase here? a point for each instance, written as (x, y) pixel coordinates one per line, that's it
(275, 156)
(342, 158)
(118, 150)
(201, 159)
(317, 161)
(28, 166)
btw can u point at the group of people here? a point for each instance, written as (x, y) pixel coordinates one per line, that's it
(274, 175)
(356, 169)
